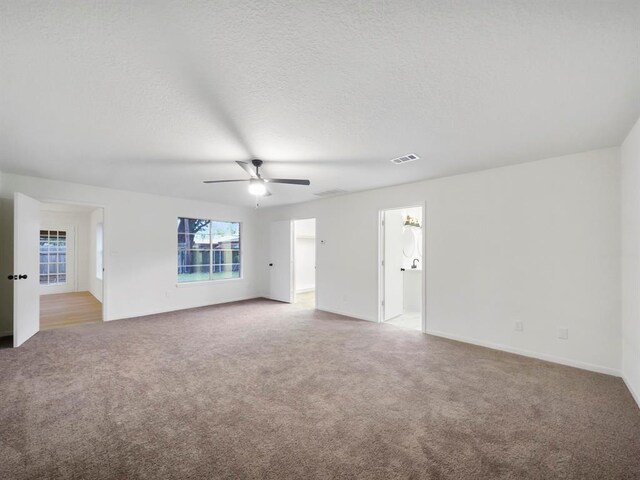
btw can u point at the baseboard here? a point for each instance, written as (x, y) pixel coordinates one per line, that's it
(527, 353)
(306, 290)
(344, 314)
(158, 312)
(6, 333)
(634, 394)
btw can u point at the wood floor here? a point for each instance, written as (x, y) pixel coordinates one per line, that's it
(64, 309)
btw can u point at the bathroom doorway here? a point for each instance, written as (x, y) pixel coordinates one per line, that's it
(304, 263)
(401, 268)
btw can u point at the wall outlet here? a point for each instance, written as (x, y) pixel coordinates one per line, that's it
(563, 333)
(519, 326)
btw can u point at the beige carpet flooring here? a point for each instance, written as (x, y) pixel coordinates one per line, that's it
(261, 389)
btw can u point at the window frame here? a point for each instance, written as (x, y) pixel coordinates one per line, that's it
(211, 251)
(57, 263)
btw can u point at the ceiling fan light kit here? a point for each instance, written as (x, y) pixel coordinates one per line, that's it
(257, 187)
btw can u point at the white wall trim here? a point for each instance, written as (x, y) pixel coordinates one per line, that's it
(345, 314)
(306, 290)
(634, 394)
(527, 353)
(158, 312)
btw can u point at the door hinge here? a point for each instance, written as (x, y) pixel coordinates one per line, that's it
(383, 263)
(382, 303)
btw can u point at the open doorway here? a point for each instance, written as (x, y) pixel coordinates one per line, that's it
(304, 261)
(70, 265)
(402, 268)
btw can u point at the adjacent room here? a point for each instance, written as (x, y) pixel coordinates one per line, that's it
(336, 239)
(70, 265)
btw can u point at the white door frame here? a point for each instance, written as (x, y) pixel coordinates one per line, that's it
(423, 288)
(315, 260)
(106, 261)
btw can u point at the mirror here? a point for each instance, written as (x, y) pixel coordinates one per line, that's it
(408, 242)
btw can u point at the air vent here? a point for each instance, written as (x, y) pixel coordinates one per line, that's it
(407, 158)
(330, 193)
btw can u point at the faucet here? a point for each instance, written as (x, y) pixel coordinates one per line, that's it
(413, 264)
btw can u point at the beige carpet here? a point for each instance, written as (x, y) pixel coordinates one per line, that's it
(267, 390)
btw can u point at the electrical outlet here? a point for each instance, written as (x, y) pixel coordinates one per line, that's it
(563, 333)
(519, 326)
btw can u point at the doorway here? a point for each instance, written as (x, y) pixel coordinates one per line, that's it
(304, 262)
(401, 269)
(70, 265)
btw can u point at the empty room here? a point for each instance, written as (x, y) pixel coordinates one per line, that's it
(319, 239)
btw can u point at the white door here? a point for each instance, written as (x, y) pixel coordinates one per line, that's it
(281, 262)
(26, 292)
(393, 275)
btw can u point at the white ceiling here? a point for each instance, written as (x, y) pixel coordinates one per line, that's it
(158, 96)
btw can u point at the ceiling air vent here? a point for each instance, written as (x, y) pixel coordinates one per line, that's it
(330, 193)
(407, 158)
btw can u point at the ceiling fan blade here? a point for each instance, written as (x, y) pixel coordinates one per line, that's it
(248, 168)
(223, 181)
(290, 181)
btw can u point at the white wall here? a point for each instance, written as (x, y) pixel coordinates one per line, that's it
(140, 246)
(537, 242)
(305, 255)
(95, 283)
(630, 156)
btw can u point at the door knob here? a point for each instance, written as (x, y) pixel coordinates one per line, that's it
(271, 264)
(10, 277)
(22, 277)
(402, 269)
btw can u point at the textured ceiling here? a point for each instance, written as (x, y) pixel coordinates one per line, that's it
(158, 96)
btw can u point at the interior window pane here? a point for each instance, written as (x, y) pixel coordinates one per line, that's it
(62, 268)
(62, 278)
(43, 279)
(53, 268)
(53, 279)
(193, 273)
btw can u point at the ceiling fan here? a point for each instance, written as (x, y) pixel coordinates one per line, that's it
(257, 184)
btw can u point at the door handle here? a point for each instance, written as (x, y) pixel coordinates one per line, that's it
(17, 277)
(402, 269)
(271, 264)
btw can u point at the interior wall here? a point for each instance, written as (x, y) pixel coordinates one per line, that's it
(6, 266)
(79, 221)
(141, 246)
(537, 242)
(305, 255)
(630, 156)
(95, 283)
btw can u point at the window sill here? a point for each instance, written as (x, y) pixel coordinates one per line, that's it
(207, 282)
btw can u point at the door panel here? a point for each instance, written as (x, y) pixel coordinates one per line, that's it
(26, 292)
(393, 276)
(281, 262)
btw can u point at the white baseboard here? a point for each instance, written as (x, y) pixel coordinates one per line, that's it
(158, 312)
(306, 290)
(634, 394)
(527, 353)
(344, 314)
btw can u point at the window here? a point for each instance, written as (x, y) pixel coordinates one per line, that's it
(208, 250)
(53, 257)
(99, 250)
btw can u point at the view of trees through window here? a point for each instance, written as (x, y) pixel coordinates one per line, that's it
(208, 250)
(53, 257)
